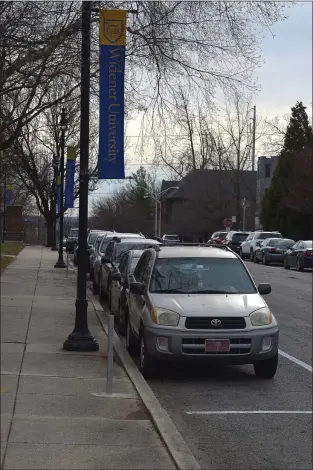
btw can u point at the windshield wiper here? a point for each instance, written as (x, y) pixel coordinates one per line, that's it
(211, 291)
(170, 291)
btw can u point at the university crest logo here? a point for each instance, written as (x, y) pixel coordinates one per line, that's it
(113, 30)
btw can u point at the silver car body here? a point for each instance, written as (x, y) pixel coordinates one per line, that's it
(96, 246)
(187, 342)
(255, 239)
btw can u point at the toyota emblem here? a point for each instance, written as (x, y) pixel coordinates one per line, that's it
(216, 322)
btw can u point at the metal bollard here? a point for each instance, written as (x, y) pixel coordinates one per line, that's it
(109, 385)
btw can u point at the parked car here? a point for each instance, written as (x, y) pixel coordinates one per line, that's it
(272, 250)
(248, 247)
(168, 239)
(101, 251)
(218, 237)
(299, 256)
(234, 239)
(91, 238)
(199, 304)
(119, 290)
(94, 253)
(72, 240)
(113, 255)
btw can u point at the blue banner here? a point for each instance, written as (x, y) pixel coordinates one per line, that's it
(58, 193)
(8, 196)
(70, 176)
(112, 37)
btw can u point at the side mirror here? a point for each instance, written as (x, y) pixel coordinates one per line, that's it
(264, 289)
(105, 259)
(137, 288)
(116, 277)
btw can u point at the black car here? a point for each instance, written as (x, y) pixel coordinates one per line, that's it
(234, 239)
(113, 255)
(91, 238)
(272, 250)
(299, 256)
(119, 289)
(72, 240)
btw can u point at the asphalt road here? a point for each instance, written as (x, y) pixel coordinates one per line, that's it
(251, 441)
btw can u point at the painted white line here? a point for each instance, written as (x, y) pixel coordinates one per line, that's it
(248, 412)
(295, 360)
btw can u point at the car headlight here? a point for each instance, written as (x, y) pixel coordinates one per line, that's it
(261, 317)
(162, 316)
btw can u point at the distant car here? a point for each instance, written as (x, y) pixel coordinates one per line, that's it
(299, 256)
(218, 237)
(170, 239)
(100, 253)
(248, 247)
(272, 250)
(119, 290)
(91, 238)
(234, 240)
(199, 304)
(115, 250)
(72, 240)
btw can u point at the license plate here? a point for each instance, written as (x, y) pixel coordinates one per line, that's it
(217, 345)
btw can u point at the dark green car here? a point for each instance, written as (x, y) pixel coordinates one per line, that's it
(272, 250)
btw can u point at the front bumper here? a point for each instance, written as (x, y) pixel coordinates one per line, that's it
(275, 258)
(307, 262)
(245, 346)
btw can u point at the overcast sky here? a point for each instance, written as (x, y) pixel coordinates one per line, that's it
(284, 79)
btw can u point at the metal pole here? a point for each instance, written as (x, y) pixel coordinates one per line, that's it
(60, 263)
(54, 201)
(244, 214)
(156, 217)
(109, 384)
(4, 205)
(253, 138)
(160, 217)
(80, 339)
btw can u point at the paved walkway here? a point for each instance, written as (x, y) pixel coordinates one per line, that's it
(54, 414)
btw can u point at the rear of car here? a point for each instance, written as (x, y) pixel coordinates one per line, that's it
(273, 250)
(234, 239)
(307, 255)
(199, 304)
(218, 237)
(257, 240)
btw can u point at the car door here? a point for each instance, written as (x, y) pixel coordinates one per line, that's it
(116, 286)
(245, 246)
(137, 302)
(292, 254)
(106, 268)
(260, 249)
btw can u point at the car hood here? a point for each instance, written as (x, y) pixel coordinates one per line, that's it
(206, 305)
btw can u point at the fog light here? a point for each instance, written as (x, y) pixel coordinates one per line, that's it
(266, 343)
(162, 343)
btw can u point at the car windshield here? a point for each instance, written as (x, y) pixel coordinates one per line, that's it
(282, 243)
(123, 248)
(92, 237)
(200, 276)
(264, 235)
(239, 237)
(221, 235)
(133, 263)
(308, 244)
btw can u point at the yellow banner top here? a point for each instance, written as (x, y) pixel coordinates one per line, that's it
(112, 27)
(9, 187)
(71, 153)
(59, 179)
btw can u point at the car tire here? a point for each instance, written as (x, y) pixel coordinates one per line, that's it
(251, 255)
(95, 287)
(256, 259)
(132, 343)
(148, 365)
(264, 260)
(267, 368)
(121, 322)
(286, 265)
(299, 265)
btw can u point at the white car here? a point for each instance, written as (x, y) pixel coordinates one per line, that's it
(171, 238)
(248, 247)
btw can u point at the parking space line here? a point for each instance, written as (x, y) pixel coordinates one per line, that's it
(249, 412)
(295, 360)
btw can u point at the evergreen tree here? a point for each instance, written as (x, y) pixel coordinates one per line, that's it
(275, 215)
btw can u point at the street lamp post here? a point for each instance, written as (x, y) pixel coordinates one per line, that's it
(54, 201)
(60, 263)
(80, 339)
(157, 200)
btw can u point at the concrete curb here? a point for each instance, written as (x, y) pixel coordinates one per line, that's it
(173, 440)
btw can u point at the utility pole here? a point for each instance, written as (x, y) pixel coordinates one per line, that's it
(80, 339)
(244, 206)
(4, 203)
(60, 263)
(253, 137)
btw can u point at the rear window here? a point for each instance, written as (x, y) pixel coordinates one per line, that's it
(264, 235)
(307, 244)
(123, 248)
(283, 243)
(239, 237)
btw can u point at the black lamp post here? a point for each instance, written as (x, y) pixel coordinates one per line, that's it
(60, 263)
(54, 201)
(80, 339)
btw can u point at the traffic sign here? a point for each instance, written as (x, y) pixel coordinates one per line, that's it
(227, 222)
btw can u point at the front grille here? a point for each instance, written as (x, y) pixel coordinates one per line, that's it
(197, 346)
(204, 323)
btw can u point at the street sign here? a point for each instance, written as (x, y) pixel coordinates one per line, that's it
(233, 219)
(227, 222)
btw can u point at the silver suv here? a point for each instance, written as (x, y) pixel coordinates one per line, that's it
(199, 304)
(248, 247)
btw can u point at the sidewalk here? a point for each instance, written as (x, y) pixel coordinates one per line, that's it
(54, 414)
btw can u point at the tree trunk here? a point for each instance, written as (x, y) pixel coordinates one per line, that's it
(50, 233)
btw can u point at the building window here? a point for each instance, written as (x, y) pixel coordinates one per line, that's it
(267, 170)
